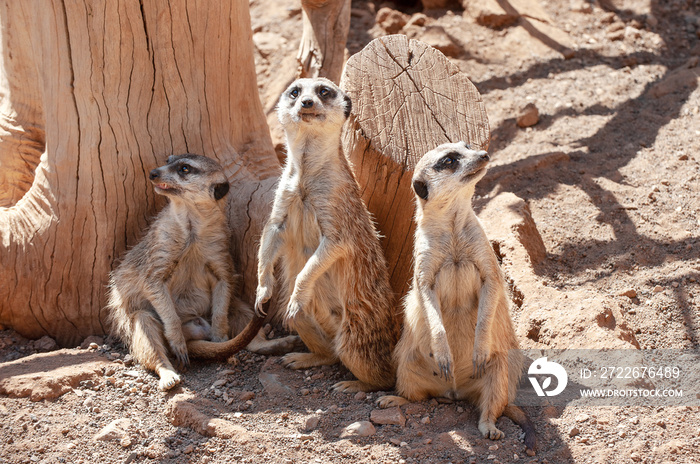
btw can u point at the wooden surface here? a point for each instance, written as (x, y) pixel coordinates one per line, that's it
(325, 32)
(407, 99)
(94, 94)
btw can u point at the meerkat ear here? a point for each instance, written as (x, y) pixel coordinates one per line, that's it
(348, 106)
(421, 189)
(220, 190)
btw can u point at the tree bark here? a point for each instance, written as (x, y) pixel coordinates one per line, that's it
(94, 94)
(407, 99)
(325, 32)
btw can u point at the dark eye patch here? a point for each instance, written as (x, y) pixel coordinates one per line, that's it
(326, 93)
(450, 161)
(184, 169)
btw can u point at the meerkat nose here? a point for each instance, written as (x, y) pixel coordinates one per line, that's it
(154, 174)
(307, 103)
(484, 156)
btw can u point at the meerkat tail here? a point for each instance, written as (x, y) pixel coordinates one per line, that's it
(204, 349)
(518, 416)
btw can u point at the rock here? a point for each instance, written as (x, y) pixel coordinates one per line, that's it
(436, 37)
(629, 293)
(490, 13)
(529, 116)
(418, 19)
(582, 418)
(99, 341)
(636, 457)
(50, 375)
(45, 344)
(574, 431)
(675, 81)
(311, 423)
(658, 289)
(390, 20)
(358, 429)
(390, 416)
(360, 396)
(114, 431)
(273, 386)
(184, 410)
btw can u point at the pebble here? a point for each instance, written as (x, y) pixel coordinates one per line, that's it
(636, 457)
(529, 116)
(188, 449)
(582, 418)
(658, 289)
(390, 416)
(493, 447)
(360, 396)
(630, 293)
(635, 420)
(574, 431)
(311, 423)
(425, 420)
(358, 429)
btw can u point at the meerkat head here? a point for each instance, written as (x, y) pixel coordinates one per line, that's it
(317, 102)
(448, 171)
(190, 177)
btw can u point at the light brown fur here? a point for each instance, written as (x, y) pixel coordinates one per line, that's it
(334, 286)
(458, 340)
(175, 288)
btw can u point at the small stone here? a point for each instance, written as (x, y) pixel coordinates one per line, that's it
(114, 431)
(529, 116)
(45, 343)
(658, 289)
(635, 420)
(392, 21)
(493, 447)
(358, 429)
(311, 423)
(661, 424)
(304, 391)
(425, 420)
(674, 284)
(219, 383)
(574, 431)
(93, 346)
(360, 396)
(630, 293)
(582, 418)
(390, 416)
(125, 442)
(246, 396)
(636, 457)
(188, 449)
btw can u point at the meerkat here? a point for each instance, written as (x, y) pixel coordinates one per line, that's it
(334, 286)
(180, 277)
(458, 340)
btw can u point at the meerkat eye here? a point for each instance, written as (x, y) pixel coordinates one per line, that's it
(185, 169)
(448, 161)
(324, 92)
(294, 93)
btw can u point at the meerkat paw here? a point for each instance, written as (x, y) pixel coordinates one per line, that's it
(479, 361)
(390, 401)
(352, 386)
(168, 379)
(306, 360)
(262, 296)
(443, 358)
(488, 430)
(293, 309)
(179, 351)
(276, 346)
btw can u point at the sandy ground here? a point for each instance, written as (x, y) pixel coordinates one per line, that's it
(609, 172)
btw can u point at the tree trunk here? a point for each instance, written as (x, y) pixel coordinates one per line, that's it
(407, 99)
(325, 31)
(94, 94)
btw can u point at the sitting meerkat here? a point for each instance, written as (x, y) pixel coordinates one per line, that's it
(173, 292)
(334, 286)
(458, 340)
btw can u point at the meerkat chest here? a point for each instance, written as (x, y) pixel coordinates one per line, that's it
(458, 280)
(302, 229)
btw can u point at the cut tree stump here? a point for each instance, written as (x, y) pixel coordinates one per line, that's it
(407, 99)
(93, 95)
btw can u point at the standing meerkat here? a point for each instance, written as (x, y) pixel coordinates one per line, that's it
(334, 284)
(458, 340)
(173, 291)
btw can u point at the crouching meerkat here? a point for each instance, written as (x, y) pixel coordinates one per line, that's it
(173, 291)
(334, 284)
(458, 340)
